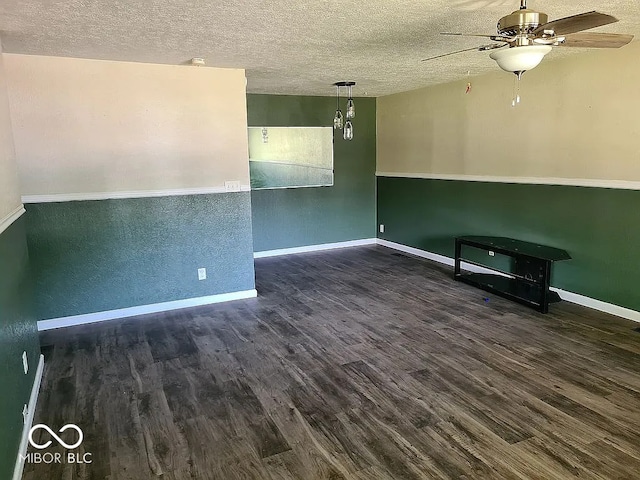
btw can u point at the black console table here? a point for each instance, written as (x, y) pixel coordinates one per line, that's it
(526, 282)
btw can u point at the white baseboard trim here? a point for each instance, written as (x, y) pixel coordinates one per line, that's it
(31, 411)
(11, 217)
(79, 197)
(143, 310)
(417, 252)
(610, 308)
(589, 302)
(437, 258)
(571, 182)
(314, 248)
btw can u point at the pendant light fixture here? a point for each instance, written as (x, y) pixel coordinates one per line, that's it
(338, 119)
(351, 108)
(347, 133)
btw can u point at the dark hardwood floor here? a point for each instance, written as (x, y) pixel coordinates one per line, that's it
(360, 363)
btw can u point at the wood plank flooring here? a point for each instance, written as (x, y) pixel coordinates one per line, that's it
(360, 363)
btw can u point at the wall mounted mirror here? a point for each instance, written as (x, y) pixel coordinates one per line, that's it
(288, 157)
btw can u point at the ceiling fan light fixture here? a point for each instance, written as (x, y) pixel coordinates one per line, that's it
(520, 59)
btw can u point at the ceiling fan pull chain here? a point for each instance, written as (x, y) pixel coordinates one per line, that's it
(516, 90)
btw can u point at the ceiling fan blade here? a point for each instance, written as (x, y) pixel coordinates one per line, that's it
(596, 40)
(491, 46)
(494, 37)
(447, 54)
(576, 23)
(481, 48)
(466, 34)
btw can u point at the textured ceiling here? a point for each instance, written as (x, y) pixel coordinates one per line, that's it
(287, 47)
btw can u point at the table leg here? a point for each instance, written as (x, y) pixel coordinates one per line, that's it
(546, 283)
(456, 270)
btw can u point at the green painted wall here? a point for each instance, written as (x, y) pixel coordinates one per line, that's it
(18, 333)
(93, 256)
(600, 228)
(308, 216)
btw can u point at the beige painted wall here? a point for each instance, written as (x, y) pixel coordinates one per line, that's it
(88, 126)
(9, 188)
(579, 118)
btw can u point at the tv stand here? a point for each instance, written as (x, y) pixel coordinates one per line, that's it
(526, 282)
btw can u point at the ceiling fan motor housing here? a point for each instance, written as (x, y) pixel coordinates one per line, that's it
(521, 22)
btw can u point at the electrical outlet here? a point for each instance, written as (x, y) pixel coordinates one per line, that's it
(232, 186)
(492, 254)
(381, 228)
(25, 362)
(202, 274)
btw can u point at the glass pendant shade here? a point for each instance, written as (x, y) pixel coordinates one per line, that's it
(348, 130)
(351, 109)
(338, 120)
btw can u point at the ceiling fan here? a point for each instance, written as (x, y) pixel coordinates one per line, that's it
(529, 36)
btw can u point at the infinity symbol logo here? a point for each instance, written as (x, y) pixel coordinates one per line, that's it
(52, 433)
